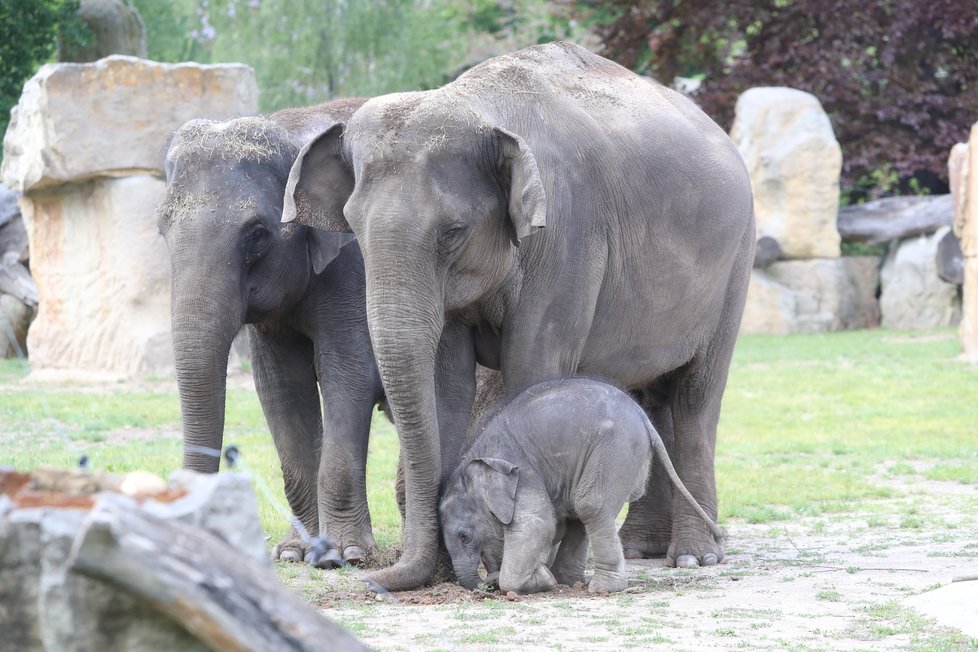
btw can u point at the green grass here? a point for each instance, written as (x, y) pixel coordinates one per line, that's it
(807, 422)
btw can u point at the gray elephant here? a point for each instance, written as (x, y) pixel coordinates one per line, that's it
(302, 293)
(552, 469)
(640, 275)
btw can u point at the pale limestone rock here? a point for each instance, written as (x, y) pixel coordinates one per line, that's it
(966, 228)
(115, 27)
(794, 162)
(103, 278)
(913, 295)
(813, 296)
(112, 117)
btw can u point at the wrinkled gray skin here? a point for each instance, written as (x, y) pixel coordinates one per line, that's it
(300, 291)
(552, 468)
(640, 275)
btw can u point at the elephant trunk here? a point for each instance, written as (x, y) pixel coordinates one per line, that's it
(204, 327)
(468, 577)
(405, 325)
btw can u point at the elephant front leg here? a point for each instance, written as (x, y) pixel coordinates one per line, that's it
(285, 379)
(349, 393)
(526, 551)
(568, 566)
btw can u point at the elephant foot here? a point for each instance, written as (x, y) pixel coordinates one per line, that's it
(569, 577)
(540, 580)
(290, 548)
(607, 582)
(643, 546)
(689, 552)
(355, 555)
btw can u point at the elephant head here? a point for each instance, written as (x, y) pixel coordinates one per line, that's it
(477, 194)
(232, 259)
(478, 503)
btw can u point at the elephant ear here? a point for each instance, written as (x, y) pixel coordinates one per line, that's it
(324, 246)
(320, 182)
(527, 199)
(495, 481)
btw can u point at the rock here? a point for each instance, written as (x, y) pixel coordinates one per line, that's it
(950, 260)
(16, 281)
(913, 296)
(224, 504)
(813, 296)
(88, 569)
(957, 174)
(9, 207)
(112, 117)
(794, 162)
(103, 278)
(952, 605)
(16, 316)
(115, 27)
(766, 252)
(966, 228)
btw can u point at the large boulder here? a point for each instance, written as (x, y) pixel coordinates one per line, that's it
(912, 294)
(103, 277)
(112, 117)
(115, 28)
(85, 147)
(966, 228)
(794, 162)
(813, 296)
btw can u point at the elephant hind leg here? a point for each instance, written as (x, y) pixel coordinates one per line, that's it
(647, 530)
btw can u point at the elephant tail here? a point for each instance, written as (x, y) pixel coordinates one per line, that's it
(659, 450)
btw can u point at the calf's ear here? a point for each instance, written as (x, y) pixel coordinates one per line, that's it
(495, 481)
(325, 246)
(320, 183)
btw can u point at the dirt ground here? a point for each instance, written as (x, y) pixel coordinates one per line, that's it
(834, 581)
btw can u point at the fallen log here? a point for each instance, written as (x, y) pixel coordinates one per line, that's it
(219, 595)
(894, 218)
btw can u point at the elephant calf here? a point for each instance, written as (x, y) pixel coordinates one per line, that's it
(552, 469)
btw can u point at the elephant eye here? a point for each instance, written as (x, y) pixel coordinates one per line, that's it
(256, 241)
(464, 536)
(451, 237)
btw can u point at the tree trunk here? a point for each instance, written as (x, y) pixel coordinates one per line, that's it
(894, 218)
(219, 595)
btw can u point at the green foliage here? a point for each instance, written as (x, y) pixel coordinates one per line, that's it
(29, 34)
(308, 51)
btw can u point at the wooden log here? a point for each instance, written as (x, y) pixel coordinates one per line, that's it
(894, 218)
(219, 595)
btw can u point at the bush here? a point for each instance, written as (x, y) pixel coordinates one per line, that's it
(29, 34)
(897, 77)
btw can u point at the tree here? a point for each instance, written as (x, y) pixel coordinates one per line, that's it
(29, 32)
(897, 77)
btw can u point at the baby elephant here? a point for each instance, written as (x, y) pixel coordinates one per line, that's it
(552, 469)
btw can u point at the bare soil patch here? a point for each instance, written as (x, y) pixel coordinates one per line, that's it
(833, 581)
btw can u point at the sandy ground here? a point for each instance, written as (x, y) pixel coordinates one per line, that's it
(841, 581)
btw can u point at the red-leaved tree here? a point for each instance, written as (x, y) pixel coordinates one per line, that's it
(898, 78)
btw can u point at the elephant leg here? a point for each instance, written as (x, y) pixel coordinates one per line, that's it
(526, 550)
(571, 560)
(350, 387)
(609, 562)
(647, 530)
(696, 402)
(285, 379)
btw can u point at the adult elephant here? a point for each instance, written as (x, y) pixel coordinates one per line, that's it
(640, 275)
(300, 291)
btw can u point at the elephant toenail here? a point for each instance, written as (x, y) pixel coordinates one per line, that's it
(710, 559)
(687, 561)
(290, 554)
(354, 554)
